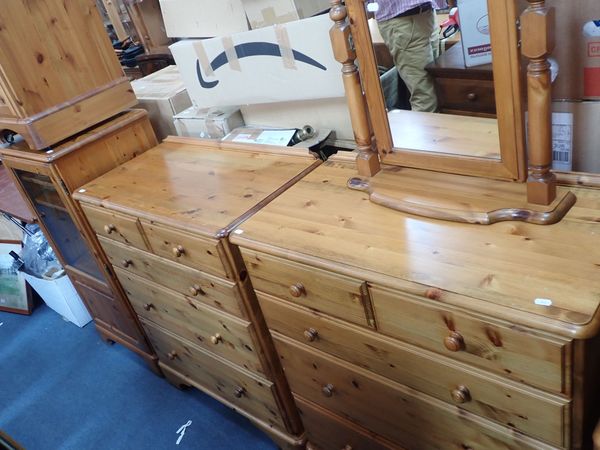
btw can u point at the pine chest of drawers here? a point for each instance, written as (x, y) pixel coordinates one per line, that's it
(164, 221)
(403, 332)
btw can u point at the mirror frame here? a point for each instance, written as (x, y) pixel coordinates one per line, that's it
(509, 90)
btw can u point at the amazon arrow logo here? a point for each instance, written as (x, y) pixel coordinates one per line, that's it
(252, 49)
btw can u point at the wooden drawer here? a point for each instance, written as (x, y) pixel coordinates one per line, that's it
(513, 352)
(410, 418)
(326, 431)
(183, 248)
(313, 288)
(525, 409)
(466, 95)
(251, 393)
(5, 109)
(220, 333)
(115, 226)
(208, 289)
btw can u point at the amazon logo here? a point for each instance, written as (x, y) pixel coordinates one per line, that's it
(248, 50)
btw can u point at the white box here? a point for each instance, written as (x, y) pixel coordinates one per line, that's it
(275, 64)
(475, 32)
(61, 296)
(262, 13)
(212, 123)
(203, 18)
(163, 95)
(321, 114)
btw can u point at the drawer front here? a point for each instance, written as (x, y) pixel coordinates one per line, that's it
(514, 353)
(468, 95)
(327, 431)
(5, 108)
(224, 335)
(306, 286)
(246, 391)
(183, 248)
(115, 226)
(525, 409)
(405, 416)
(208, 289)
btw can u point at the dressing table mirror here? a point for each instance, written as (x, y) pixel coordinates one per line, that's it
(451, 144)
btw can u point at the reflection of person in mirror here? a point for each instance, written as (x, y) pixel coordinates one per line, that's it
(409, 30)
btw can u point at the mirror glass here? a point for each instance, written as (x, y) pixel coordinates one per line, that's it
(436, 75)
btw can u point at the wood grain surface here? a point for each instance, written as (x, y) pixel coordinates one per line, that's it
(544, 277)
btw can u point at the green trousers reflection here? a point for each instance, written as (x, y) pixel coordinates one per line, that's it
(413, 42)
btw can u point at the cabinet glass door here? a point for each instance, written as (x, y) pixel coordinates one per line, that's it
(53, 213)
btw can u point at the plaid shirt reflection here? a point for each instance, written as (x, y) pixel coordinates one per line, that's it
(389, 9)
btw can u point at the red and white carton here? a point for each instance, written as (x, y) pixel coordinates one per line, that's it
(475, 32)
(591, 69)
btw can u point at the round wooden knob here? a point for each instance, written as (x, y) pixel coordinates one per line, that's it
(297, 290)
(178, 251)
(454, 342)
(216, 338)
(148, 306)
(126, 263)
(108, 229)
(311, 334)
(172, 355)
(196, 290)
(239, 392)
(461, 394)
(472, 96)
(327, 390)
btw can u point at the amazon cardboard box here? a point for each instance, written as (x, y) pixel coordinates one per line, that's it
(322, 114)
(212, 123)
(163, 95)
(262, 13)
(275, 64)
(203, 18)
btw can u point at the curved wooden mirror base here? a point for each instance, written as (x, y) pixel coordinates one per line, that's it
(464, 208)
(479, 204)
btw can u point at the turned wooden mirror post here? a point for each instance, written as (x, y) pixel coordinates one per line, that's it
(367, 161)
(537, 28)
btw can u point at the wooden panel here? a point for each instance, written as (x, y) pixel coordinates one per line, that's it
(528, 410)
(185, 248)
(516, 353)
(5, 108)
(208, 289)
(316, 289)
(107, 309)
(115, 226)
(53, 51)
(327, 431)
(246, 391)
(403, 415)
(221, 334)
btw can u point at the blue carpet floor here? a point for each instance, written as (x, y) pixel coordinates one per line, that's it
(61, 387)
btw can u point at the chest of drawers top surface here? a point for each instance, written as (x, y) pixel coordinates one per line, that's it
(538, 276)
(196, 185)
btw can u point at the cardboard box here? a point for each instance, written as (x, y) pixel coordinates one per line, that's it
(208, 123)
(275, 64)
(475, 32)
(571, 45)
(262, 13)
(60, 295)
(321, 114)
(203, 18)
(163, 95)
(585, 134)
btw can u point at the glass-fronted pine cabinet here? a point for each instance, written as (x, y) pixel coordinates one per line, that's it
(48, 177)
